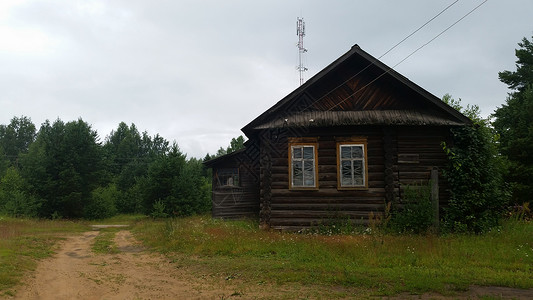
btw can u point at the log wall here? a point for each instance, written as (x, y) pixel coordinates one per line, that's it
(417, 148)
(233, 202)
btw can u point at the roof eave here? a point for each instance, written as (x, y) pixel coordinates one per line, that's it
(216, 160)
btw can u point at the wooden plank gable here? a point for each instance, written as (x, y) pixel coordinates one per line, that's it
(359, 82)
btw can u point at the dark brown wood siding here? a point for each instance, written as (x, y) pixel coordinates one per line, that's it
(419, 150)
(283, 208)
(292, 209)
(232, 202)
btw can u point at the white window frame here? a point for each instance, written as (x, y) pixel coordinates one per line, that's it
(294, 159)
(363, 162)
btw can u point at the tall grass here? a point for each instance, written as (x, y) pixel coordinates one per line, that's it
(381, 263)
(23, 242)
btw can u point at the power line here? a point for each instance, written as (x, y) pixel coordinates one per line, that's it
(431, 40)
(386, 52)
(417, 30)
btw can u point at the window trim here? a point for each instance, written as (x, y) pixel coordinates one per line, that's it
(303, 143)
(354, 142)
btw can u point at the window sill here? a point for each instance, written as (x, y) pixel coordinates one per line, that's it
(303, 189)
(358, 188)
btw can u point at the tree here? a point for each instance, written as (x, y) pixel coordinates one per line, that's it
(4, 162)
(234, 145)
(514, 124)
(474, 174)
(14, 200)
(175, 186)
(522, 78)
(16, 137)
(129, 154)
(63, 166)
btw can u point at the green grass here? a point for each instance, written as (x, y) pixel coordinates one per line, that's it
(121, 220)
(103, 243)
(23, 242)
(378, 264)
(337, 265)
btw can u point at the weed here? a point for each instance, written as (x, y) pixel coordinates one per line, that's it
(414, 214)
(103, 243)
(520, 212)
(379, 264)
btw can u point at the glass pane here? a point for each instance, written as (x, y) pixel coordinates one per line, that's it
(345, 152)
(346, 173)
(357, 152)
(358, 172)
(297, 173)
(297, 152)
(309, 173)
(309, 152)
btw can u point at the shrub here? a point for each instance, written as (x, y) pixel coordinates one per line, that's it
(158, 210)
(520, 212)
(129, 201)
(474, 174)
(102, 203)
(414, 214)
(14, 201)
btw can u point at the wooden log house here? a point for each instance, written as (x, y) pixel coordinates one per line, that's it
(345, 143)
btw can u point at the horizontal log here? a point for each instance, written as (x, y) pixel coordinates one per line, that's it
(340, 199)
(236, 215)
(313, 206)
(356, 218)
(329, 192)
(308, 214)
(225, 203)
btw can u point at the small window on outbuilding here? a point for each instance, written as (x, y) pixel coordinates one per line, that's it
(227, 177)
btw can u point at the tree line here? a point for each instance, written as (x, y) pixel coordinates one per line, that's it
(62, 170)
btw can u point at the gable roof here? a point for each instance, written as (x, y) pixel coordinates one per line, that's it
(357, 89)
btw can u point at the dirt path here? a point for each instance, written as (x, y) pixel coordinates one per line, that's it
(77, 273)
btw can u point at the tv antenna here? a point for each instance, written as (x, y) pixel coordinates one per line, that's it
(300, 31)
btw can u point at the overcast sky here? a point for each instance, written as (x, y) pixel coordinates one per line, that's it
(197, 71)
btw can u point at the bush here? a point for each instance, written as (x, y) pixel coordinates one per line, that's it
(102, 203)
(520, 212)
(414, 214)
(14, 201)
(474, 174)
(178, 183)
(158, 210)
(130, 200)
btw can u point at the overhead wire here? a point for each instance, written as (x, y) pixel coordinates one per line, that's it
(386, 52)
(412, 53)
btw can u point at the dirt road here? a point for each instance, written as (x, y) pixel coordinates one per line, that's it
(77, 273)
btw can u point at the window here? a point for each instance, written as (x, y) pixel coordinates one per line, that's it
(228, 177)
(302, 166)
(351, 165)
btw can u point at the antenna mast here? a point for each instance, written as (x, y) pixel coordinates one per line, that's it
(300, 31)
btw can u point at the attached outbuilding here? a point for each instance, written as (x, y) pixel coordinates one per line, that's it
(345, 143)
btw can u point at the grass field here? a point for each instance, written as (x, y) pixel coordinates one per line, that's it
(23, 242)
(377, 264)
(372, 264)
